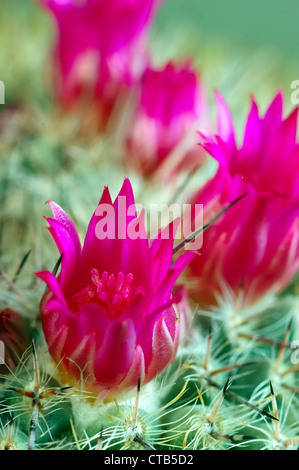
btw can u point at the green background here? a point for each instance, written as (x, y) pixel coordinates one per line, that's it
(271, 23)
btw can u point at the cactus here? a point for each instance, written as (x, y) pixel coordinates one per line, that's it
(215, 395)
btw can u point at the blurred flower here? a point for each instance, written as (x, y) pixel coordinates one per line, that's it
(169, 111)
(13, 335)
(100, 48)
(253, 250)
(109, 317)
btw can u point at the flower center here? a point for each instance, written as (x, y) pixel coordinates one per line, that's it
(111, 292)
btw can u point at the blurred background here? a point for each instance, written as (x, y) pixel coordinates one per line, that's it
(271, 23)
(240, 48)
(252, 44)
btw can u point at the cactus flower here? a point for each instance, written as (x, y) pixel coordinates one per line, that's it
(252, 250)
(13, 337)
(100, 48)
(170, 108)
(109, 317)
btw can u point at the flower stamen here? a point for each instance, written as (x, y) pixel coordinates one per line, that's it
(110, 291)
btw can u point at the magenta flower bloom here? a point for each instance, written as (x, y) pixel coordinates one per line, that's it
(171, 105)
(100, 47)
(254, 248)
(109, 318)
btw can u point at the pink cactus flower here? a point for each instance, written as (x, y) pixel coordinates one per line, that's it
(253, 249)
(109, 318)
(100, 48)
(170, 109)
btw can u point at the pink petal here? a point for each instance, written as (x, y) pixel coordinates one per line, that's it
(225, 122)
(67, 247)
(136, 372)
(273, 115)
(95, 252)
(247, 159)
(161, 252)
(120, 253)
(163, 350)
(79, 364)
(53, 285)
(65, 220)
